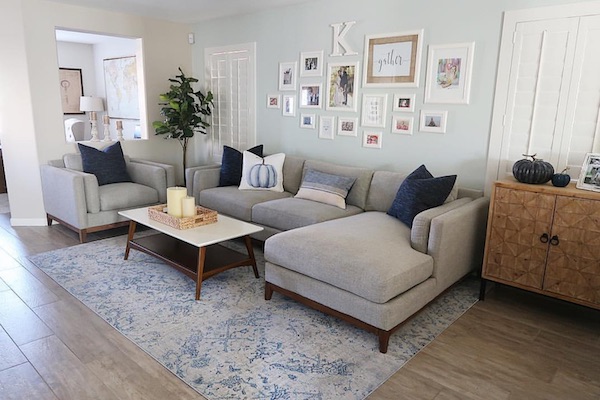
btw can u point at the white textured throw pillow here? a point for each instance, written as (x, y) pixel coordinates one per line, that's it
(325, 188)
(260, 173)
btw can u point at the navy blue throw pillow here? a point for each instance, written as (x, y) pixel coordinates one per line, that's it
(231, 165)
(108, 164)
(420, 191)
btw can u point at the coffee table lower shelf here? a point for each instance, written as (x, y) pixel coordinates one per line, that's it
(189, 259)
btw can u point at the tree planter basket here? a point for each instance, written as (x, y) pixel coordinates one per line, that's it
(204, 216)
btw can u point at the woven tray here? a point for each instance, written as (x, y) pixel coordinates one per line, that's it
(204, 216)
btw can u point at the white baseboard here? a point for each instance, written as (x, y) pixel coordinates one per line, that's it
(28, 222)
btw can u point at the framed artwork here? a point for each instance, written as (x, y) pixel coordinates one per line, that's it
(393, 59)
(310, 95)
(347, 126)
(121, 82)
(273, 101)
(71, 89)
(433, 121)
(289, 105)
(402, 125)
(372, 139)
(449, 73)
(342, 85)
(326, 127)
(287, 75)
(404, 103)
(311, 63)
(589, 178)
(373, 110)
(307, 121)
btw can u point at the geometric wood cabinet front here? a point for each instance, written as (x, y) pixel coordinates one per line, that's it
(546, 240)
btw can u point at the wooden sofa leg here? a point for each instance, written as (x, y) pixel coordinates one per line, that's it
(268, 291)
(82, 236)
(384, 340)
(49, 219)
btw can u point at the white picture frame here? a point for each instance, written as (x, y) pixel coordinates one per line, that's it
(374, 108)
(311, 63)
(287, 75)
(326, 127)
(342, 92)
(589, 177)
(273, 100)
(347, 126)
(404, 102)
(372, 140)
(307, 121)
(288, 105)
(310, 95)
(433, 121)
(402, 124)
(449, 69)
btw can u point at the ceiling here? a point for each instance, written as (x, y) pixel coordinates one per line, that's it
(184, 11)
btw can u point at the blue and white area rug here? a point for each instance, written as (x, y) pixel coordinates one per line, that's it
(232, 344)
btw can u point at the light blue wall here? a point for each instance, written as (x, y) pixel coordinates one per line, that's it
(281, 34)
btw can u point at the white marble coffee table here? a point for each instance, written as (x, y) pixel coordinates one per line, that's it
(195, 252)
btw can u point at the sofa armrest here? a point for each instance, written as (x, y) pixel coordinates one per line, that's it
(456, 241)
(201, 178)
(151, 175)
(169, 169)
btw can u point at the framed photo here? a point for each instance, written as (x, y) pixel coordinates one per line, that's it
(347, 126)
(393, 59)
(449, 73)
(121, 84)
(307, 121)
(326, 127)
(589, 178)
(373, 110)
(342, 86)
(289, 105)
(433, 121)
(402, 125)
(287, 75)
(404, 102)
(372, 139)
(71, 89)
(273, 101)
(310, 95)
(311, 63)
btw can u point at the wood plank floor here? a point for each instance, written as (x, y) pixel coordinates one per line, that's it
(514, 345)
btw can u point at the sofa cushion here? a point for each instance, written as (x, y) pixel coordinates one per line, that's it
(293, 168)
(231, 165)
(236, 203)
(325, 188)
(111, 196)
(108, 164)
(334, 252)
(291, 213)
(357, 195)
(419, 192)
(384, 186)
(260, 173)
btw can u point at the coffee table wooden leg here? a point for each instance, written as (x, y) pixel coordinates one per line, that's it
(250, 249)
(132, 225)
(200, 270)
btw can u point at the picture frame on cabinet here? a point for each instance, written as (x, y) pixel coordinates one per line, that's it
(402, 125)
(372, 139)
(310, 95)
(287, 75)
(311, 63)
(373, 110)
(307, 121)
(589, 177)
(449, 69)
(273, 101)
(289, 105)
(404, 102)
(347, 126)
(342, 86)
(326, 127)
(433, 121)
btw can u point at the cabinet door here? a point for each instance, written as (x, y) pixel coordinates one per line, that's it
(515, 252)
(573, 267)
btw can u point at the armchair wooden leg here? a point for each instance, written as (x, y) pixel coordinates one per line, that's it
(268, 291)
(49, 219)
(82, 236)
(384, 340)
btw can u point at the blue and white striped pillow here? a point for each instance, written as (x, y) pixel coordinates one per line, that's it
(325, 188)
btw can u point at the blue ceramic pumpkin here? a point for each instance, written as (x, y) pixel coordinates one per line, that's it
(532, 171)
(262, 176)
(562, 179)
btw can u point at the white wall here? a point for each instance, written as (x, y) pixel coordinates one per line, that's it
(282, 33)
(31, 123)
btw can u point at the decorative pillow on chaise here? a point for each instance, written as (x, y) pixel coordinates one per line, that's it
(260, 173)
(231, 165)
(325, 188)
(107, 164)
(420, 191)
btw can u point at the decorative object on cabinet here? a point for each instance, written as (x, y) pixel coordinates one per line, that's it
(449, 73)
(544, 239)
(534, 171)
(589, 178)
(561, 179)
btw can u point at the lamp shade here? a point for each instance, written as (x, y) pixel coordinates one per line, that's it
(88, 103)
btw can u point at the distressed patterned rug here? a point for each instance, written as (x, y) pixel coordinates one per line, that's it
(233, 344)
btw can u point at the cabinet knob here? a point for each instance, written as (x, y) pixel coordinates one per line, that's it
(554, 241)
(544, 238)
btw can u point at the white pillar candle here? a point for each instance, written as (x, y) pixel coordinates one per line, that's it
(188, 205)
(174, 196)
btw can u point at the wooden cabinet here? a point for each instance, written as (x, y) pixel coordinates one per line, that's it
(546, 240)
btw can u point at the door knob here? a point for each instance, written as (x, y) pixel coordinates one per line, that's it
(554, 240)
(544, 238)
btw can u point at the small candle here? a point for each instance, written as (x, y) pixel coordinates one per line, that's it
(174, 196)
(119, 124)
(106, 120)
(93, 115)
(188, 204)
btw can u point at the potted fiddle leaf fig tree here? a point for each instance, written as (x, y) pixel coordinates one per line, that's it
(184, 111)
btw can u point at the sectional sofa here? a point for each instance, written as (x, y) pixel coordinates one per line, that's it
(357, 263)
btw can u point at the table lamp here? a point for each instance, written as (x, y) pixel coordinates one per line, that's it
(92, 104)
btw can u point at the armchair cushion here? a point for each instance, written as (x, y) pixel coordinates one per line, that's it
(112, 196)
(108, 164)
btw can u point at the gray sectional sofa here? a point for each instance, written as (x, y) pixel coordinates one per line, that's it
(359, 264)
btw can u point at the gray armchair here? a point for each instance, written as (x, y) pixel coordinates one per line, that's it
(74, 199)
